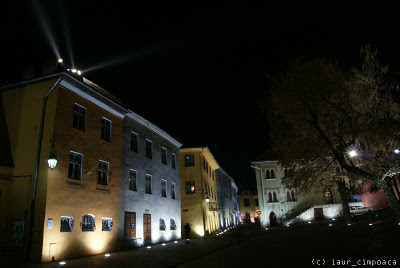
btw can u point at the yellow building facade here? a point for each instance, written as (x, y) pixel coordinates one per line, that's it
(249, 207)
(76, 204)
(198, 190)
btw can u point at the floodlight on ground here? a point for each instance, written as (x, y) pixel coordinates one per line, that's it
(370, 224)
(163, 244)
(349, 224)
(61, 263)
(175, 242)
(396, 151)
(148, 247)
(330, 224)
(266, 228)
(309, 222)
(107, 255)
(79, 72)
(333, 219)
(60, 61)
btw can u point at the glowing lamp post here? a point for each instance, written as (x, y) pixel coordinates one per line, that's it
(207, 200)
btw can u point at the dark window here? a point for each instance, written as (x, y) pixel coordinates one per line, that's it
(106, 224)
(173, 159)
(267, 174)
(132, 180)
(288, 199)
(162, 224)
(293, 196)
(66, 224)
(102, 177)
(246, 202)
(134, 142)
(270, 200)
(257, 202)
(149, 149)
(172, 225)
(163, 188)
(172, 190)
(75, 166)
(148, 184)
(204, 163)
(275, 197)
(105, 129)
(164, 156)
(272, 174)
(190, 189)
(88, 223)
(79, 120)
(189, 160)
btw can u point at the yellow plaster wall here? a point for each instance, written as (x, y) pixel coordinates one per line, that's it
(72, 198)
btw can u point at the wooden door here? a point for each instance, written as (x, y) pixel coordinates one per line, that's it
(147, 228)
(130, 224)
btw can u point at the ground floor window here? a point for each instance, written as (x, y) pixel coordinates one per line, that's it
(162, 224)
(88, 223)
(106, 224)
(66, 224)
(172, 224)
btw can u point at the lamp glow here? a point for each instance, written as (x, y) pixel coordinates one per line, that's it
(352, 153)
(207, 200)
(62, 263)
(79, 72)
(52, 161)
(107, 255)
(74, 70)
(148, 247)
(396, 151)
(60, 61)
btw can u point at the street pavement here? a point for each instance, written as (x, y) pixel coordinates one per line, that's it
(302, 245)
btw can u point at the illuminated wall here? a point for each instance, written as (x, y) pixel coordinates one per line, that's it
(203, 217)
(57, 195)
(135, 199)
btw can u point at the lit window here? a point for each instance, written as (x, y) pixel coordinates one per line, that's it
(106, 224)
(103, 173)
(148, 184)
(105, 129)
(164, 156)
(132, 180)
(189, 160)
(172, 190)
(79, 119)
(173, 159)
(190, 189)
(88, 223)
(162, 224)
(149, 149)
(75, 166)
(134, 142)
(66, 224)
(172, 224)
(163, 188)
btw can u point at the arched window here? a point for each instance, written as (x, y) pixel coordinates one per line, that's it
(288, 199)
(267, 175)
(172, 225)
(88, 223)
(162, 224)
(293, 196)
(270, 197)
(272, 174)
(275, 197)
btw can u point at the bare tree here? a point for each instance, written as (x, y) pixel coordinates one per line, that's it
(320, 113)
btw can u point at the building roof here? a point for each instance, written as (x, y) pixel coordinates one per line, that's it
(206, 151)
(267, 156)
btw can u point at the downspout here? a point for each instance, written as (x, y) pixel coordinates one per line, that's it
(262, 193)
(38, 151)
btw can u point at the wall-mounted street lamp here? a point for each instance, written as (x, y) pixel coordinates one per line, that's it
(207, 200)
(52, 160)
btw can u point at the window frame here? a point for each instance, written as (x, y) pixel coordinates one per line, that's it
(173, 161)
(74, 164)
(189, 185)
(149, 149)
(133, 180)
(164, 157)
(147, 188)
(163, 226)
(70, 224)
(102, 172)
(163, 189)
(109, 224)
(78, 115)
(173, 190)
(104, 127)
(134, 145)
(190, 158)
(85, 228)
(172, 224)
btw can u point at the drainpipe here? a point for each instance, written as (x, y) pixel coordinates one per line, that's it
(38, 151)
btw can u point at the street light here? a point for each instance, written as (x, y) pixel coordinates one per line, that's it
(207, 200)
(352, 153)
(52, 160)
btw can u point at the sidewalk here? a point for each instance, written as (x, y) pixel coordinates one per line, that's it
(170, 255)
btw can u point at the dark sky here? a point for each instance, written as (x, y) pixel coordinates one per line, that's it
(197, 73)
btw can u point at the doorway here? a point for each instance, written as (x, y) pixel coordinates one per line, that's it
(146, 228)
(328, 196)
(272, 219)
(130, 224)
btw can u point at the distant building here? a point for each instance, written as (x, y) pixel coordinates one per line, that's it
(150, 195)
(236, 219)
(226, 195)
(248, 206)
(198, 190)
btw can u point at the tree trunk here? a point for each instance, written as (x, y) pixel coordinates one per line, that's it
(391, 197)
(344, 196)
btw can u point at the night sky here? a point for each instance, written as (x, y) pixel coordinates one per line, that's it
(197, 73)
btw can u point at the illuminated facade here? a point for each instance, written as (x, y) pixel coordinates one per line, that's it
(280, 205)
(76, 203)
(150, 196)
(248, 206)
(226, 195)
(198, 184)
